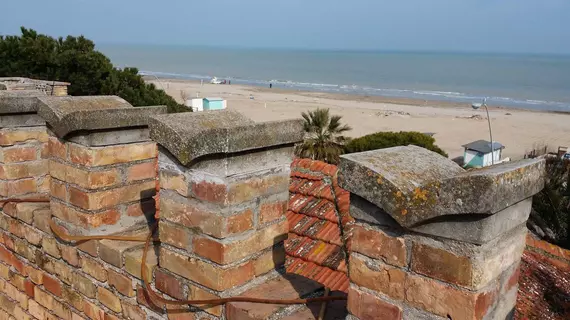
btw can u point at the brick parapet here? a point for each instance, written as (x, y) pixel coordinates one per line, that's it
(23, 146)
(460, 266)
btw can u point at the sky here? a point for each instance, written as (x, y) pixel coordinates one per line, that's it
(518, 26)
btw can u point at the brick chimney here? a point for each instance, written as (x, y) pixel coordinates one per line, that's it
(223, 196)
(431, 240)
(101, 162)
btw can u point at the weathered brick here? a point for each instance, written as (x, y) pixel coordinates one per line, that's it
(105, 199)
(175, 235)
(57, 268)
(369, 307)
(22, 283)
(210, 191)
(14, 294)
(100, 156)
(272, 211)
(133, 261)
(230, 251)
(142, 171)
(23, 170)
(189, 214)
(71, 297)
(94, 268)
(34, 274)
(58, 189)
(84, 178)
(512, 278)
(44, 151)
(43, 184)
(441, 264)
(9, 258)
(18, 187)
(20, 314)
(171, 180)
(23, 248)
(92, 311)
(41, 220)
(69, 254)
(50, 247)
(249, 189)
(7, 304)
(121, 283)
(109, 299)
(43, 298)
(112, 251)
(377, 244)
(39, 312)
(75, 316)
(204, 273)
(89, 247)
(84, 220)
(270, 260)
(141, 208)
(109, 316)
(84, 285)
(10, 137)
(446, 301)
(18, 154)
(169, 284)
(8, 241)
(177, 315)
(52, 285)
(33, 236)
(133, 312)
(4, 271)
(197, 293)
(16, 228)
(382, 278)
(239, 223)
(57, 149)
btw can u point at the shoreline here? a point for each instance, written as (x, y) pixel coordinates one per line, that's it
(360, 97)
(452, 124)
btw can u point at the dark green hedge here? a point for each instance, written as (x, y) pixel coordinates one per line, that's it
(381, 140)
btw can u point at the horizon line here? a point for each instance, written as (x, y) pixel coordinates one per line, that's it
(323, 49)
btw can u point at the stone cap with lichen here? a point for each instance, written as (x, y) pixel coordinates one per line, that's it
(413, 184)
(68, 114)
(188, 136)
(20, 101)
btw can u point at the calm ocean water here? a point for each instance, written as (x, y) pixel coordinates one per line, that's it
(525, 81)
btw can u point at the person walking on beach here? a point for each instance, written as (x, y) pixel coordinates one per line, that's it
(270, 85)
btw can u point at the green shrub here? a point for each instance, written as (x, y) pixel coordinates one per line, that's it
(381, 140)
(75, 60)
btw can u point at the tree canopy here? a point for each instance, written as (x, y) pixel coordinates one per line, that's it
(75, 60)
(381, 140)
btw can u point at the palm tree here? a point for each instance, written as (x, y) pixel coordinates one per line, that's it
(323, 139)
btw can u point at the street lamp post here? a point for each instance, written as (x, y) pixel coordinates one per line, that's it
(484, 104)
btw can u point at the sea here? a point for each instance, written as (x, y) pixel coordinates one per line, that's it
(528, 81)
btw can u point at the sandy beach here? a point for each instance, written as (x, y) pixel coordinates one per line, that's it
(452, 124)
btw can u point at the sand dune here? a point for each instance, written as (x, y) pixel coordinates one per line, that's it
(453, 124)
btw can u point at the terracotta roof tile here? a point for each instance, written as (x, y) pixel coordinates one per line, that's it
(315, 247)
(335, 280)
(544, 282)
